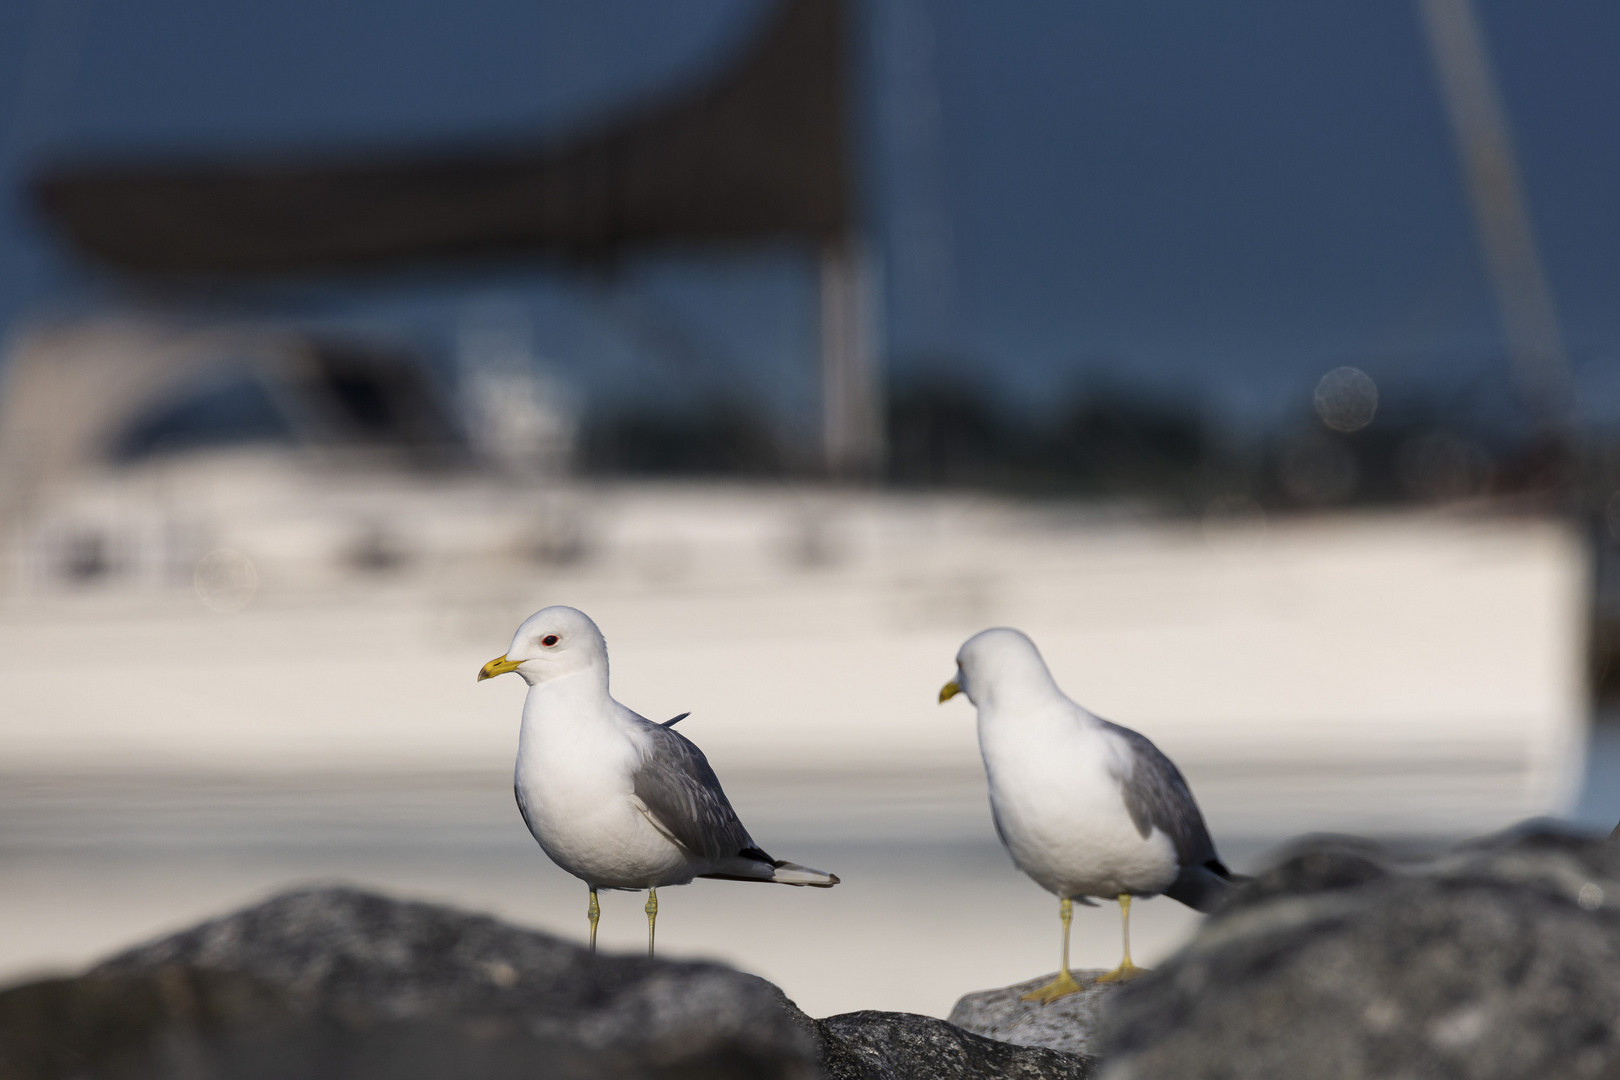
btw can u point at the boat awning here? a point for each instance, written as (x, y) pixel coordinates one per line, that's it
(759, 152)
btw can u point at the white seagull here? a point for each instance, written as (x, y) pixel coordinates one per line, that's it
(1085, 807)
(616, 800)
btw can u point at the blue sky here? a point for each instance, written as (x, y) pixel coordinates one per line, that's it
(1218, 202)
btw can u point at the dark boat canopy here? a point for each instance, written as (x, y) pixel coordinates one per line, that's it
(759, 153)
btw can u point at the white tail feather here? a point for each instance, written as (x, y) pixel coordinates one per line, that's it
(738, 868)
(793, 874)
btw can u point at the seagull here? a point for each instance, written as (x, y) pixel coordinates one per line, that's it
(614, 799)
(1085, 807)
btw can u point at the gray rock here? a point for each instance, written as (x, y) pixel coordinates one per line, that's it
(334, 982)
(1496, 961)
(330, 983)
(904, 1046)
(1067, 1024)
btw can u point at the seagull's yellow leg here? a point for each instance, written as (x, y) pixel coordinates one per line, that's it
(1126, 970)
(652, 917)
(1064, 984)
(593, 913)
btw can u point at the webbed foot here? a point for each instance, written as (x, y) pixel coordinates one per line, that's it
(1062, 986)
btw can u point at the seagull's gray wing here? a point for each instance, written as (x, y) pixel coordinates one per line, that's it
(684, 799)
(1156, 795)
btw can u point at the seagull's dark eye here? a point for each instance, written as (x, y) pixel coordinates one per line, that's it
(549, 640)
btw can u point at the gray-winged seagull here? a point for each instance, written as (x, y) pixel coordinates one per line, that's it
(616, 800)
(1086, 808)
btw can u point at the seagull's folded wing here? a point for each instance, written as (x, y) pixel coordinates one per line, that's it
(681, 796)
(1157, 795)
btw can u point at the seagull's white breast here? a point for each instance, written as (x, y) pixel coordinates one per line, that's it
(574, 780)
(1056, 796)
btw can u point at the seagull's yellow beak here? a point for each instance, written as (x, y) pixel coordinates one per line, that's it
(498, 666)
(949, 690)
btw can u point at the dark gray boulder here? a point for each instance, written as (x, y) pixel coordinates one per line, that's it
(335, 982)
(338, 983)
(1495, 961)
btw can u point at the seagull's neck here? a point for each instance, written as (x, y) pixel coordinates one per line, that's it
(1027, 692)
(581, 694)
(575, 736)
(1027, 723)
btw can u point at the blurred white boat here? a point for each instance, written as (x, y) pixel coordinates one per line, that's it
(1412, 673)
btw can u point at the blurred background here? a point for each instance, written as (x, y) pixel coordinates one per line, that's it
(1263, 363)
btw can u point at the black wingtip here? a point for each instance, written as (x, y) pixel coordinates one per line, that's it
(1205, 887)
(672, 721)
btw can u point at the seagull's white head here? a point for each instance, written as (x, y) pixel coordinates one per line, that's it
(999, 664)
(551, 643)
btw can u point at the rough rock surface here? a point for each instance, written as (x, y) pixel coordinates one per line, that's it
(1067, 1024)
(1495, 961)
(879, 1045)
(337, 983)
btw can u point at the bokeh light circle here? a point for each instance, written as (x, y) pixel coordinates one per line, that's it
(225, 580)
(1346, 399)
